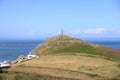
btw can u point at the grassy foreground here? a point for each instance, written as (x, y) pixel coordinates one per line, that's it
(66, 67)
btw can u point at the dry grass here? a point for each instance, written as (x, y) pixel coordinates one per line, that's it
(72, 62)
(88, 65)
(50, 72)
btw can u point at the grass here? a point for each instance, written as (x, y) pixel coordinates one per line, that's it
(57, 65)
(65, 44)
(65, 58)
(83, 48)
(7, 76)
(64, 67)
(68, 60)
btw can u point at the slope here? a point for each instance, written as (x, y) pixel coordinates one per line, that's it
(63, 44)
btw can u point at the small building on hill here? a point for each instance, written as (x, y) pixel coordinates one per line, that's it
(5, 64)
(31, 56)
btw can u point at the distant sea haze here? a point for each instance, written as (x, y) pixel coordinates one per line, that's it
(12, 49)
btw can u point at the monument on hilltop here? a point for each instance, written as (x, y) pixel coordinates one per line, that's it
(62, 33)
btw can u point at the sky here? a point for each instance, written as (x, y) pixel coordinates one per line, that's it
(37, 19)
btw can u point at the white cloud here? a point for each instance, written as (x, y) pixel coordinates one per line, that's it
(87, 31)
(94, 31)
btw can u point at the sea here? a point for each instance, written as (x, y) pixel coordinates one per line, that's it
(11, 49)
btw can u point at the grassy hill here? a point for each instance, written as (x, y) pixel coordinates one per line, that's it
(68, 45)
(66, 58)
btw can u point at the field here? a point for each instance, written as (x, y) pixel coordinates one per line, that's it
(70, 67)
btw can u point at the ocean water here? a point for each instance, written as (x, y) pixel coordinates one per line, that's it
(112, 44)
(12, 49)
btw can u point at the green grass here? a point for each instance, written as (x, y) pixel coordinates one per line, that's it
(83, 48)
(65, 44)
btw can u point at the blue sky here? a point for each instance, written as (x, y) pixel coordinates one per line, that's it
(36, 19)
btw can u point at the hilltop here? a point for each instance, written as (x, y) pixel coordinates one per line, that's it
(63, 44)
